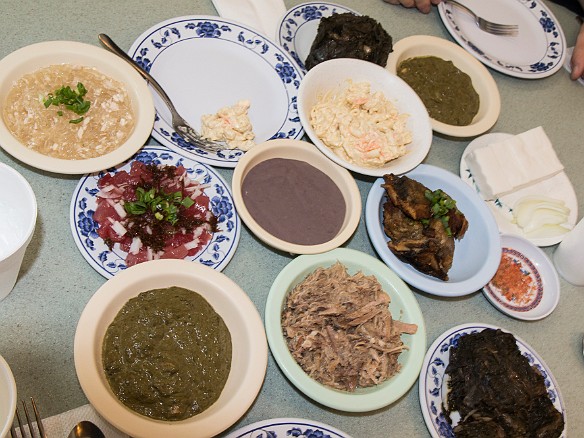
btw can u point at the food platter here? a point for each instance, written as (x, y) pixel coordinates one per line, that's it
(298, 27)
(471, 269)
(193, 59)
(537, 52)
(108, 263)
(543, 294)
(432, 383)
(284, 427)
(404, 306)
(558, 187)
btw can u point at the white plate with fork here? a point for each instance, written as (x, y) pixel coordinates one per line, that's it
(536, 52)
(205, 63)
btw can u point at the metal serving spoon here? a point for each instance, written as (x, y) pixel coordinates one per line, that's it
(86, 429)
(179, 124)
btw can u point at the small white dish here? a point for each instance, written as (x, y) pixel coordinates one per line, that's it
(432, 386)
(483, 82)
(537, 52)
(542, 296)
(299, 25)
(333, 74)
(7, 398)
(205, 63)
(471, 269)
(216, 254)
(282, 427)
(249, 347)
(403, 306)
(36, 56)
(558, 187)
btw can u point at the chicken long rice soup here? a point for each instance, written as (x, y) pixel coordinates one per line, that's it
(69, 112)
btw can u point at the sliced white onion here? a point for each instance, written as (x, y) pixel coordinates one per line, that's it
(120, 210)
(192, 244)
(541, 216)
(119, 228)
(136, 245)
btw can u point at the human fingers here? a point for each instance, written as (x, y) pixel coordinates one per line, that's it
(577, 61)
(424, 6)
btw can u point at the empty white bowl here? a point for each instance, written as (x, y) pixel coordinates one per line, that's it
(483, 82)
(332, 74)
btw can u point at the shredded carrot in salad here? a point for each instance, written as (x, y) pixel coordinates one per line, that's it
(512, 282)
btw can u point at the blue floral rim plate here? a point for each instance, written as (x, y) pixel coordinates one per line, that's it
(216, 254)
(287, 427)
(205, 63)
(536, 52)
(299, 25)
(431, 384)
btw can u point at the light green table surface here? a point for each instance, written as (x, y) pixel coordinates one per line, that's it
(38, 319)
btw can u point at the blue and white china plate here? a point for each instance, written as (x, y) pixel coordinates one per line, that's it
(558, 186)
(432, 383)
(299, 25)
(287, 427)
(205, 63)
(216, 254)
(537, 52)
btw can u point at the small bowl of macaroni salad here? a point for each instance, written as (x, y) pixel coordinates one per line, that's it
(363, 117)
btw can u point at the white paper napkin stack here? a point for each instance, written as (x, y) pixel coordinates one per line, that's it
(262, 15)
(60, 425)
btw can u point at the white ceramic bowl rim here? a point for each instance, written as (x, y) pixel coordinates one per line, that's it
(486, 88)
(277, 148)
(31, 58)
(9, 393)
(250, 354)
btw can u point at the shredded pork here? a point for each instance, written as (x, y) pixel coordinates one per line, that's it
(340, 331)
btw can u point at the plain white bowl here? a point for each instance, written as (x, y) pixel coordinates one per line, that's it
(249, 347)
(7, 397)
(303, 151)
(332, 74)
(483, 82)
(403, 306)
(476, 255)
(31, 58)
(535, 264)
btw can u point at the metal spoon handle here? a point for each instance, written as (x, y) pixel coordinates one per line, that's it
(114, 48)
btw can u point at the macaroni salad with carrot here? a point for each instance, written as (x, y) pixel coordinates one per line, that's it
(359, 126)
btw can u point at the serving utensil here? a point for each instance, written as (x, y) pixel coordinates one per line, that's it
(179, 124)
(86, 429)
(486, 25)
(38, 422)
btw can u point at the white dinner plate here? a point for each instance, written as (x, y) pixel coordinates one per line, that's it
(558, 187)
(432, 383)
(543, 293)
(205, 63)
(216, 254)
(287, 427)
(536, 52)
(299, 25)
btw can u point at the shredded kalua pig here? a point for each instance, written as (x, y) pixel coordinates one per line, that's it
(339, 329)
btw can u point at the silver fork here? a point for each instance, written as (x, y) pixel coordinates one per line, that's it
(38, 420)
(486, 25)
(178, 123)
